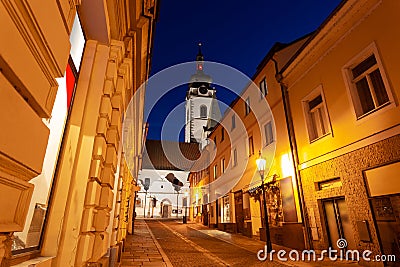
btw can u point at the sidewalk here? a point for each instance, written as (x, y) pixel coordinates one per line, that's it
(142, 248)
(254, 245)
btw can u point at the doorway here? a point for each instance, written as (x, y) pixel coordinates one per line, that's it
(204, 214)
(338, 223)
(239, 212)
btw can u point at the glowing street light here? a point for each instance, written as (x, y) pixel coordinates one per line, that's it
(186, 204)
(261, 163)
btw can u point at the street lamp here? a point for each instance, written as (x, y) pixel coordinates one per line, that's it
(186, 204)
(146, 186)
(177, 189)
(261, 162)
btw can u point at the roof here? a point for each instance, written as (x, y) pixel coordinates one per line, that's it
(169, 155)
(313, 35)
(277, 47)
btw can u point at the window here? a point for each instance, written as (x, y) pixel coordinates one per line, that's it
(225, 210)
(222, 134)
(251, 146)
(263, 88)
(30, 238)
(369, 86)
(234, 157)
(215, 142)
(331, 183)
(203, 111)
(367, 82)
(247, 106)
(269, 136)
(233, 122)
(316, 115)
(222, 165)
(215, 171)
(246, 206)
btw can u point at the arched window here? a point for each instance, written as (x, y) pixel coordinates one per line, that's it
(203, 111)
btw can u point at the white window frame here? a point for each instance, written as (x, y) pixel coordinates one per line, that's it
(234, 157)
(233, 121)
(351, 88)
(263, 88)
(215, 171)
(250, 148)
(202, 108)
(268, 141)
(222, 165)
(247, 108)
(322, 110)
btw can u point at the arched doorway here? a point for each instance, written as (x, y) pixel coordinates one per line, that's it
(166, 208)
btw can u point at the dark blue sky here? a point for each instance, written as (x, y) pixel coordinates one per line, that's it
(235, 33)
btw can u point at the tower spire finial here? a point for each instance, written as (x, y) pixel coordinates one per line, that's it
(200, 56)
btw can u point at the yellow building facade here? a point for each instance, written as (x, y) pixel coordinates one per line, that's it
(333, 97)
(343, 90)
(255, 122)
(68, 71)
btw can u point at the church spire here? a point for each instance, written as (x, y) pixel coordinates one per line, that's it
(199, 59)
(201, 104)
(199, 56)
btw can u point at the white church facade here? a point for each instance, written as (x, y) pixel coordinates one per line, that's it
(163, 178)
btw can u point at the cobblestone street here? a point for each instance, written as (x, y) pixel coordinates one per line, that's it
(171, 243)
(186, 246)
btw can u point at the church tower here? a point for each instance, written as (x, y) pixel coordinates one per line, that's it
(201, 103)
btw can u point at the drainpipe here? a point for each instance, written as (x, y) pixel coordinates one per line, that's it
(217, 212)
(295, 156)
(150, 42)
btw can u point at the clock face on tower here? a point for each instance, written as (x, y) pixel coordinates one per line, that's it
(203, 90)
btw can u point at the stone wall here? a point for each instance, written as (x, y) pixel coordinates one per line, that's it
(94, 239)
(349, 168)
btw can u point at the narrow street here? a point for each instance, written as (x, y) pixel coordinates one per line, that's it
(187, 246)
(199, 133)
(167, 243)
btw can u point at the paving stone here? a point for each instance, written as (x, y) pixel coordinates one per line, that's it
(140, 248)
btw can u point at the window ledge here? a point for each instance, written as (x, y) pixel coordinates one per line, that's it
(319, 138)
(36, 262)
(374, 110)
(267, 145)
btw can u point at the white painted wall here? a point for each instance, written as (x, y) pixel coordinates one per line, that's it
(161, 189)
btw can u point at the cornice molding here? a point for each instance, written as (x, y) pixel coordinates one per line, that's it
(28, 27)
(17, 189)
(11, 169)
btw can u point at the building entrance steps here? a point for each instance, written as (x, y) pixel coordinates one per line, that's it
(142, 248)
(254, 245)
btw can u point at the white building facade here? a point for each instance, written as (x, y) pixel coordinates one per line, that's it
(163, 179)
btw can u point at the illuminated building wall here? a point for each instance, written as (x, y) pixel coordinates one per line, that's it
(65, 188)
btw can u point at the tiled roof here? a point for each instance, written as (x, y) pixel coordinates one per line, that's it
(168, 155)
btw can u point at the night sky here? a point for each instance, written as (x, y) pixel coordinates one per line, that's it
(235, 33)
